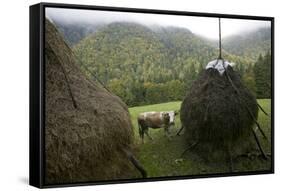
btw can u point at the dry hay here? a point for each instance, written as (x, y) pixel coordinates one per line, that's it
(87, 127)
(218, 115)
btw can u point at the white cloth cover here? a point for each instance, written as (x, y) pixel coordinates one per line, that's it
(219, 64)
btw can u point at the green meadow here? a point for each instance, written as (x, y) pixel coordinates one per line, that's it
(162, 156)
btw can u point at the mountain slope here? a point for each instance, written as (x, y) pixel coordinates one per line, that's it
(143, 64)
(122, 48)
(144, 54)
(74, 32)
(249, 45)
(138, 51)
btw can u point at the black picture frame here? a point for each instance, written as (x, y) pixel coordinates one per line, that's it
(37, 94)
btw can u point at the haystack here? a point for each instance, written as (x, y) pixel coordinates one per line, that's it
(219, 113)
(88, 133)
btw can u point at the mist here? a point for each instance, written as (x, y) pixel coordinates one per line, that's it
(203, 26)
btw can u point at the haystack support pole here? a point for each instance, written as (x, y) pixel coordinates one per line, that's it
(219, 38)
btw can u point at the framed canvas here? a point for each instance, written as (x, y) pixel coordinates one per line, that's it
(131, 95)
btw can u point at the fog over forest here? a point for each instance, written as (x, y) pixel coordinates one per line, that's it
(203, 26)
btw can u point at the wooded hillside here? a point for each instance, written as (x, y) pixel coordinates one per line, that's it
(145, 65)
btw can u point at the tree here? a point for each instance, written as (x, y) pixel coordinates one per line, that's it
(250, 83)
(176, 90)
(156, 93)
(262, 71)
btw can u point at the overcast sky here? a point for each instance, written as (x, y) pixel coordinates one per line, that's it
(204, 26)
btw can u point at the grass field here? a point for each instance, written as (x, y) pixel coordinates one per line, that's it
(161, 156)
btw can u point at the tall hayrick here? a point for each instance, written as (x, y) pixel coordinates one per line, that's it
(219, 113)
(88, 134)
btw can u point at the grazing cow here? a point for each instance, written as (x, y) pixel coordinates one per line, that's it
(155, 120)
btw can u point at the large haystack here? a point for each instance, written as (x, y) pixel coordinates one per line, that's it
(87, 128)
(218, 114)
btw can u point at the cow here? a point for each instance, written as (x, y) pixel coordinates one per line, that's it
(155, 120)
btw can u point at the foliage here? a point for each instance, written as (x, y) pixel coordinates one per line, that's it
(250, 83)
(262, 72)
(143, 65)
(74, 32)
(249, 45)
(127, 57)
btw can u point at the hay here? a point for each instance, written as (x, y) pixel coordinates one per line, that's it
(216, 117)
(86, 127)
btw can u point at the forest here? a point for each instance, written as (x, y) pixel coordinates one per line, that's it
(148, 65)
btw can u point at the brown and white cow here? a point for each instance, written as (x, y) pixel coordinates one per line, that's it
(155, 120)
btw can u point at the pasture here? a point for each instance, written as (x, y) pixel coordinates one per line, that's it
(162, 157)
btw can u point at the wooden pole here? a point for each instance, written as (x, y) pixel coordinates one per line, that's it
(220, 38)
